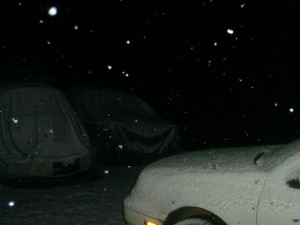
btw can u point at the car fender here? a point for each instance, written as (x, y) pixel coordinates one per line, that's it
(188, 212)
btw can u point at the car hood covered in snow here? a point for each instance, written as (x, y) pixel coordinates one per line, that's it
(222, 160)
(223, 181)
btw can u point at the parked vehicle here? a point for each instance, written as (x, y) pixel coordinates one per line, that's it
(232, 186)
(40, 135)
(123, 128)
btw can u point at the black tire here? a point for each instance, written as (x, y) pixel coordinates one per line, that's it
(193, 221)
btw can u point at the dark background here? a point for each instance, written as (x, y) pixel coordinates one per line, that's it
(221, 89)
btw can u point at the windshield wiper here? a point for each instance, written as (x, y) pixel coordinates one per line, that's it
(258, 157)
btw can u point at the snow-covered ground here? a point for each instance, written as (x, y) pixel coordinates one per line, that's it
(94, 198)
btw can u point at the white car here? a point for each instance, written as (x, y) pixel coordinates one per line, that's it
(233, 186)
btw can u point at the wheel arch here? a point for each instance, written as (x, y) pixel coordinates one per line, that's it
(190, 212)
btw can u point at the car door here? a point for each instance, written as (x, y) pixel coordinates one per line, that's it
(279, 202)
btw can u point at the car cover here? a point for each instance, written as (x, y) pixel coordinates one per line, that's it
(122, 127)
(40, 135)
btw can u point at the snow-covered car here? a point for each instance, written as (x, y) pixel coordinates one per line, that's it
(233, 186)
(40, 135)
(123, 127)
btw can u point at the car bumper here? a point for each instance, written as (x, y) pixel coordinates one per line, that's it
(133, 217)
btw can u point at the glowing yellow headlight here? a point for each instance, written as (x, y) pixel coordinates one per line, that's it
(149, 223)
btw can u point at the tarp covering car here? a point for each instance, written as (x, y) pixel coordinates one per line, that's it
(40, 135)
(122, 126)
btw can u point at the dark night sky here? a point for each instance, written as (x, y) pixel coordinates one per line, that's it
(221, 88)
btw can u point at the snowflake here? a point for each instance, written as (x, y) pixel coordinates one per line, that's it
(15, 120)
(11, 204)
(52, 11)
(230, 31)
(126, 74)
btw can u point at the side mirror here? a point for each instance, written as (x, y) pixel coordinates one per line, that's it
(293, 180)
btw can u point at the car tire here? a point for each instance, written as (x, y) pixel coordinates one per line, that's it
(193, 221)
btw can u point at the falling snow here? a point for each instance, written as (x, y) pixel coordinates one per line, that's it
(125, 74)
(230, 31)
(146, 55)
(52, 11)
(11, 204)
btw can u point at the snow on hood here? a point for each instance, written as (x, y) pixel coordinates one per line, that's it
(238, 159)
(277, 156)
